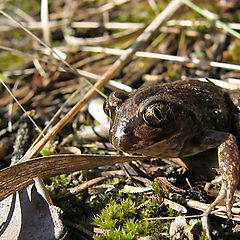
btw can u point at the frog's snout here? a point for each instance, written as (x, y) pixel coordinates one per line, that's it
(123, 139)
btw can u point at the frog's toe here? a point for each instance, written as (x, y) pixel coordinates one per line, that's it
(227, 192)
(205, 226)
(230, 184)
(231, 187)
(222, 194)
(229, 205)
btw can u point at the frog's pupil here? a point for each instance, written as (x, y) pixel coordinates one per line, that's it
(153, 115)
(157, 113)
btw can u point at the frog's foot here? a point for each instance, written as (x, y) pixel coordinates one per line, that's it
(227, 191)
(229, 161)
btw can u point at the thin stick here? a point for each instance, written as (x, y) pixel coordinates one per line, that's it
(172, 218)
(107, 25)
(19, 104)
(190, 23)
(44, 22)
(163, 57)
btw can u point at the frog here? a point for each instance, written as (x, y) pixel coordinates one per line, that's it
(180, 119)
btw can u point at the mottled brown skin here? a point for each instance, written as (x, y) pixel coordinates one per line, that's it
(180, 119)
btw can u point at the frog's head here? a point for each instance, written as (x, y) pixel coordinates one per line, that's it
(142, 120)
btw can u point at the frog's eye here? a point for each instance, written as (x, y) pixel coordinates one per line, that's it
(157, 114)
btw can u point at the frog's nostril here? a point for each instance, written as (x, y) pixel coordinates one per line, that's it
(126, 130)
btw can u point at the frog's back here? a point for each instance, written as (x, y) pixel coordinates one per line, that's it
(234, 96)
(210, 104)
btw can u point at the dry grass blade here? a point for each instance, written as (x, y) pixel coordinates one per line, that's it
(107, 25)
(16, 177)
(163, 57)
(44, 21)
(36, 26)
(220, 210)
(189, 23)
(103, 41)
(29, 116)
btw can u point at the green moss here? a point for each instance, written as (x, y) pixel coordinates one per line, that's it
(60, 182)
(158, 190)
(142, 12)
(46, 151)
(171, 72)
(8, 60)
(27, 6)
(233, 53)
(123, 221)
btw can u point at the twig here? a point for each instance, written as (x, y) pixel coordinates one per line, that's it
(44, 21)
(154, 6)
(108, 6)
(108, 25)
(36, 26)
(105, 40)
(54, 25)
(167, 57)
(27, 113)
(79, 188)
(190, 23)
(171, 218)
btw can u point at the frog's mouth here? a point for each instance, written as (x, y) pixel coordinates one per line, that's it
(126, 138)
(152, 144)
(136, 145)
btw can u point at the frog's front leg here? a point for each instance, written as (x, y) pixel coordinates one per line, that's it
(229, 161)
